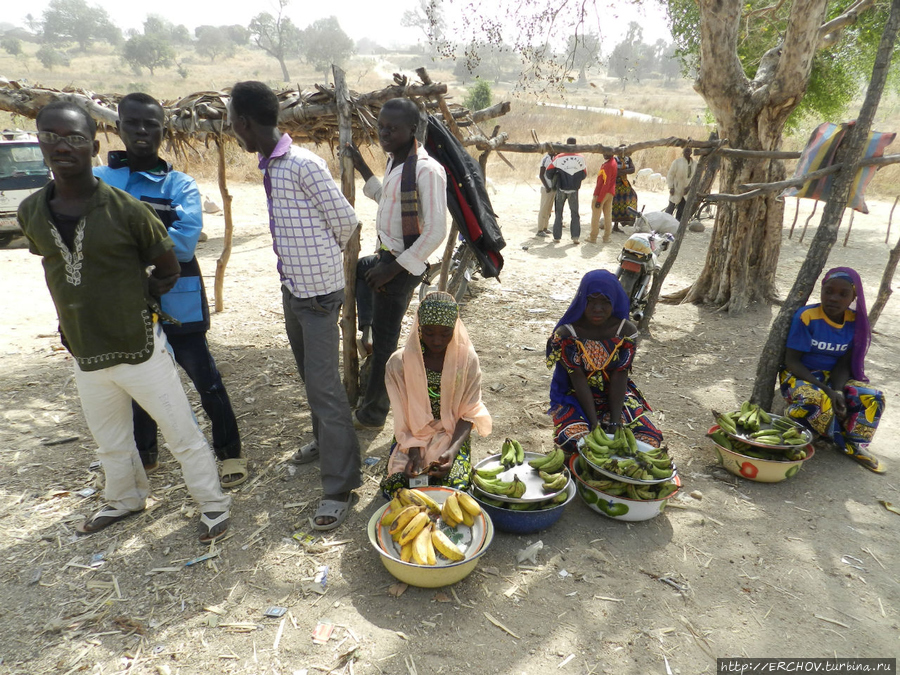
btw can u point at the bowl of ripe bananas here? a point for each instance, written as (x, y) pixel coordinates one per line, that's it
(617, 499)
(430, 536)
(760, 446)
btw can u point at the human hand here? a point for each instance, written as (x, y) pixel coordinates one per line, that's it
(159, 286)
(838, 403)
(351, 151)
(413, 463)
(442, 467)
(381, 274)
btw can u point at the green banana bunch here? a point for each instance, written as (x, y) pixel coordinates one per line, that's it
(490, 473)
(495, 486)
(558, 482)
(665, 489)
(511, 453)
(551, 462)
(721, 439)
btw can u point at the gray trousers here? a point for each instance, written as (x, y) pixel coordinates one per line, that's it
(312, 329)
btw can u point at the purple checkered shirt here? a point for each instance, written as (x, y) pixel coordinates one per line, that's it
(309, 217)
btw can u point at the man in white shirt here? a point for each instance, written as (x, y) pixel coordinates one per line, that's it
(679, 178)
(411, 223)
(548, 193)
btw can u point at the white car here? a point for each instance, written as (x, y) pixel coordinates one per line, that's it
(22, 172)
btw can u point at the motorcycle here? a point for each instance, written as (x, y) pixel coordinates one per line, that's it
(639, 262)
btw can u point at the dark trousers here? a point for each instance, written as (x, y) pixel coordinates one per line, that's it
(312, 329)
(678, 208)
(192, 354)
(384, 311)
(575, 225)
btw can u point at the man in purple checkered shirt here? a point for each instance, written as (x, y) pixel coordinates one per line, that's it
(311, 221)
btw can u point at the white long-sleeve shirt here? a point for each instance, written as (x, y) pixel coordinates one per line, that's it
(431, 184)
(680, 173)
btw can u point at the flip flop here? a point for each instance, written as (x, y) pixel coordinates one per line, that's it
(328, 508)
(103, 519)
(865, 459)
(208, 522)
(234, 466)
(306, 454)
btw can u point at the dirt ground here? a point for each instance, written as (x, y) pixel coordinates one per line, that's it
(801, 568)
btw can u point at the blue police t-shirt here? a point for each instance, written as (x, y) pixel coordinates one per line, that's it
(821, 340)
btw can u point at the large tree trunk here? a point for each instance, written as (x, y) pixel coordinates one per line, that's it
(746, 240)
(284, 71)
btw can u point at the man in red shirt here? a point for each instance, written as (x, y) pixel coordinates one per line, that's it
(603, 199)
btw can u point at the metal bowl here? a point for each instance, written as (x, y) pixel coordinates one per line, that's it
(425, 576)
(525, 522)
(617, 508)
(759, 470)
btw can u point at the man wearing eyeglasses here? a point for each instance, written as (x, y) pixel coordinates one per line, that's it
(96, 243)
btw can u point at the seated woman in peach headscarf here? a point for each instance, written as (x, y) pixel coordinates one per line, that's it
(434, 383)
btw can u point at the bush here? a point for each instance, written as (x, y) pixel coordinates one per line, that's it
(12, 46)
(50, 58)
(478, 96)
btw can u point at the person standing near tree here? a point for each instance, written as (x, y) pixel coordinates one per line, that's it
(679, 178)
(139, 171)
(568, 169)
(97, 243)
(411, 222)
(311, 222)
(604, 191)
(548, 192)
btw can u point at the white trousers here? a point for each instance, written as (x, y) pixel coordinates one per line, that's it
(106, 400)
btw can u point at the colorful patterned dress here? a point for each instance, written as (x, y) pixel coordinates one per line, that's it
(625, 195)
(598, 359)
(461, 468)
(822, 342)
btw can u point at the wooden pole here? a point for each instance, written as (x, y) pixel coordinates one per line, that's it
(448, 255)
(806, 224)
(351, 250)
(849, 227)
(796, 213)
(849, 153)
(705, 164)
(884, 291)
(222, 262)
(887, 236)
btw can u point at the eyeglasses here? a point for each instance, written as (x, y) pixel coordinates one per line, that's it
(72, 140)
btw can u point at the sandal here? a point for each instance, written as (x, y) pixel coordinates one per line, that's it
(328, 508)
(863, 458)
(306, 454)
(235, 469)
(103, 519)
(211, 525)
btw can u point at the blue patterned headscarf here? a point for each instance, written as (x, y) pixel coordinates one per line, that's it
(599, 282)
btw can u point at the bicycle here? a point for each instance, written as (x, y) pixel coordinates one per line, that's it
(463, 266)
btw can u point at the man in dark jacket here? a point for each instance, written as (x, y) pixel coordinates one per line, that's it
(569, 169)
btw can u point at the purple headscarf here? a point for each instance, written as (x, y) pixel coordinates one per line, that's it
(600, 282)
(862, 331)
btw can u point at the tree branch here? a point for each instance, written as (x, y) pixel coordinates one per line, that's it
(830, 31)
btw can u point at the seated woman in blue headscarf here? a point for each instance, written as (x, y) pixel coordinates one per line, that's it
(824, 380)
(591, 352)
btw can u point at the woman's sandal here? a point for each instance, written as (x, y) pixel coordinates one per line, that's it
(328, 508)
(235, 470)
(213, 525)
(306, 454)
(103, 519)
(865, 459)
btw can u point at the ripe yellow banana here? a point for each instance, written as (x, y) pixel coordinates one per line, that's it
(423, 499)
(402, 520)
(468, 504)
(446, 547)
(451, 506)
(413, 527)
(391, 512)
(406, 552)
(420, 545)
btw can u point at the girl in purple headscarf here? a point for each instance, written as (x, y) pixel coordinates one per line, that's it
(824, 380)
(590, 353)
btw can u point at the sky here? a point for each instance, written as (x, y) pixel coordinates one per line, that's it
(358, 18)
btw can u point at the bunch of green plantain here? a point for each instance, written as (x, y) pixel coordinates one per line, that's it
(617, 488)
(553, 482)
(511, 453)
(623, 442)
(550, 503)
(552, 462)
(748, 421)
(788, 453)
(493, 485)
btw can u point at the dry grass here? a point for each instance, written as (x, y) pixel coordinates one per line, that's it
(101, 70)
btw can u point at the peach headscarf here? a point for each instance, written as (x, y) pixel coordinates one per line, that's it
(407, 387)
